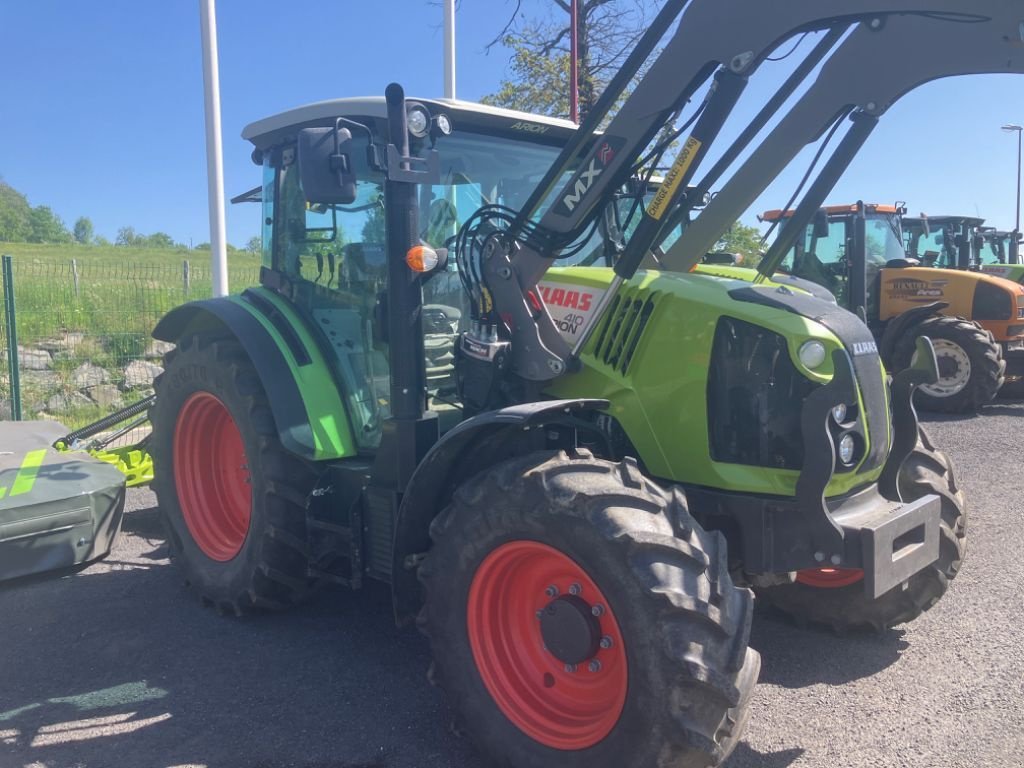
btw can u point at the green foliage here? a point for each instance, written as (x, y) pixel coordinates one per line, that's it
(83, 230)
(537, 82)
(15, 215)
(159, 240)
(373, 229)
(744, 240)
(46, 226)
(128, 237)
(254, 246)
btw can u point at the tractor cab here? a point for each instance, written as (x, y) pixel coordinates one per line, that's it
(330, 259)
(948, 242)
(825, 254)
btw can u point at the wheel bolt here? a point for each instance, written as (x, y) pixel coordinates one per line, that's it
(551, 591)
(606, 642)
(540, 614)
(575, 589)
(594, 666)
(597, 610)
(570, 668)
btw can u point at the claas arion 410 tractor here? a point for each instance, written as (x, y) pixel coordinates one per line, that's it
(571, 475)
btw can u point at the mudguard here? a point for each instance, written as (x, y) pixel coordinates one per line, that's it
(900, 324)
(305, 398)
(463, 452)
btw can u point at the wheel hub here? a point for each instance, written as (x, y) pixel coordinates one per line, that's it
(954, 369)
(571, 632)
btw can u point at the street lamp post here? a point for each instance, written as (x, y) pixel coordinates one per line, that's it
(1015, 245)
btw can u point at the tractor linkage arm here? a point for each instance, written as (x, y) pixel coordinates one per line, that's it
(879, 52)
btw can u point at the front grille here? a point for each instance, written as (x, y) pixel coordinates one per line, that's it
(620, 333)
(755, 398)
(991, 302)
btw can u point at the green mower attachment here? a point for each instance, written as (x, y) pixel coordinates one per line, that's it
(62, 493)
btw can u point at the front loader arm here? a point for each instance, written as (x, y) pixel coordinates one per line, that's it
(727, 39)
(866, 75)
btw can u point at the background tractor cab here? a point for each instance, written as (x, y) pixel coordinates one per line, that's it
(974, 320)
(948, 242)
(1000, 256)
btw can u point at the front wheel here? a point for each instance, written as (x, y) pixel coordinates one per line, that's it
(971, 365)
(835, 596)
(580, 617)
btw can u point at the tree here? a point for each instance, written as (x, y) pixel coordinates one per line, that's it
(742, 240)
(607, 31)
(255, 245)
(15, 215)
(159, 240)
(127, 236)
(83, 230)
(46, 226)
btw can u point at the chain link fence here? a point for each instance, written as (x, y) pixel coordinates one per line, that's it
(82, 331)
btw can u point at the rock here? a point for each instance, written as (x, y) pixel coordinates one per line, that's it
(140, 373)
(89, 375)
(157, 349)
(40, 379)
(63, 403)
(106, 395)
(32, 359)
(68, 342)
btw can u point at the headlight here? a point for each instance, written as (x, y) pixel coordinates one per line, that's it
(418, 121)
(812, 354)
(846, 449)
(839, 413)
(444, 124)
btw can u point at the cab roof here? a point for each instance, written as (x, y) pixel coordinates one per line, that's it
(276, 128)
(834, 210)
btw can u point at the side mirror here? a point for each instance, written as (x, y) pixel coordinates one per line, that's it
(926, 229)
(821, 224)
(979, 243)
(325, 166)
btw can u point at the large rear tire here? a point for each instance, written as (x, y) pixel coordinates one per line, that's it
(971, 365)
(580, 617)
(231, 498)
(835, 597)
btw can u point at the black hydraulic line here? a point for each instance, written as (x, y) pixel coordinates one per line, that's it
(787, 89)
(862, 126)
(725, 94)
(591, 123)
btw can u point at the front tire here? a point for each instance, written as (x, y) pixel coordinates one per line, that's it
(579, 617)
(971, 365)
(231, 498)
(835, 597)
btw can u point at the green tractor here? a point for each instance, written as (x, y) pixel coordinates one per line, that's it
(570, 476)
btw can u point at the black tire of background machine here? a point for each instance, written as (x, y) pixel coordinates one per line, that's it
(986, 356)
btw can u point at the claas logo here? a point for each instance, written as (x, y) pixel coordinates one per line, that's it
(561, 297)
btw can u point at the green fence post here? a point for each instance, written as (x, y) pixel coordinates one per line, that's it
(11, 326)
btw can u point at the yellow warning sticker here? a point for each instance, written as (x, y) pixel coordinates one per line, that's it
(674, 178)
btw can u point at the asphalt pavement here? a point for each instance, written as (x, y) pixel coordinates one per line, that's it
(121, 666)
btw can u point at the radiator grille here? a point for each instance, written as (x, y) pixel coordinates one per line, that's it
(621, 332)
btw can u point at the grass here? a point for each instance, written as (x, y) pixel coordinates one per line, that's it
(100, 303)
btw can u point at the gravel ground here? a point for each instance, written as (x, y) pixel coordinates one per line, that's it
(120, 666)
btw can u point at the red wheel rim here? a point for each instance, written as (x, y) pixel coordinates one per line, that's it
(212, 478)
(829, 578)
(559, 708)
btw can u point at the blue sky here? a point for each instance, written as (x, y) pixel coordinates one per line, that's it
(102, 106)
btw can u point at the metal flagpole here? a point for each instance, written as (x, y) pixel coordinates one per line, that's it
(214, 153)
(449, 49)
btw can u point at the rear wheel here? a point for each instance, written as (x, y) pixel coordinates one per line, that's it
(579, 616)
(835, 596)
(232, 500)
(971, 365)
